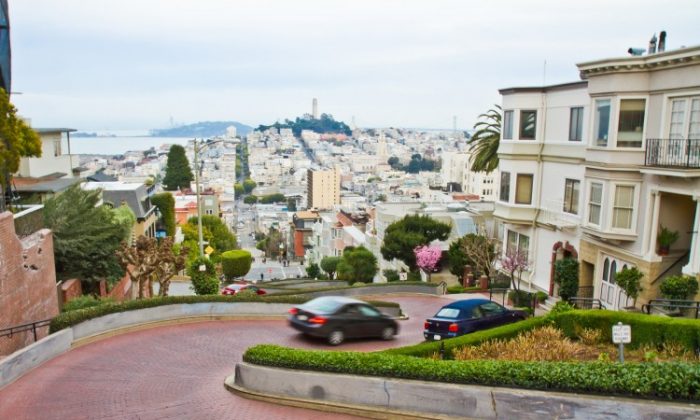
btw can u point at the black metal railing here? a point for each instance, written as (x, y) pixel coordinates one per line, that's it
(673, 153)
(9, 332)
(585, 292)
(672, 305)
(586, 303)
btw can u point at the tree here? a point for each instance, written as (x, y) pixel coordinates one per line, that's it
(427, 258)
(515, 261)
(629, 280)
(215, 232)
(394, 162)
(238, 189)
(485, 141)
(291, 204)
(18, 140)
(177, 170)
(330, 265)
(566, 276)
(482, 252)
(250, 199)
(457, 258)
(85, 235)
(236, 263)
(403, 236)
(127, 219)
(313, 271)
(273, 198)
(249, 185)
(165, 203)
(203, 276)
(357, 265)
(150, 259)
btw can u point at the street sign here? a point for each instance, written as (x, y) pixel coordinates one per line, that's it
(621, 334)
(403, 276)
(208, 250)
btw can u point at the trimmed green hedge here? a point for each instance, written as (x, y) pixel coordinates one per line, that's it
(327, 289)
(670, 381)
(68, 319)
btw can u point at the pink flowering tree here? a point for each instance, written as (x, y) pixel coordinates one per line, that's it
(515, 262)
(427, 258)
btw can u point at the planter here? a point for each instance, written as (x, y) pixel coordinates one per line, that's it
(484, 282)
(664, 250)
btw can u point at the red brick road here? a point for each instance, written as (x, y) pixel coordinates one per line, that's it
(174, 371)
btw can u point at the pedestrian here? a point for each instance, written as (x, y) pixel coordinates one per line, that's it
(262, 276)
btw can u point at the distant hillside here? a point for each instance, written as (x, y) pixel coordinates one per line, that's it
(325, 124)
(202, 129)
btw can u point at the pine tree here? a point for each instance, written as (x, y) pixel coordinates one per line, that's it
(177, 171)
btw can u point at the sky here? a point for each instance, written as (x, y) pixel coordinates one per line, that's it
(140, 64)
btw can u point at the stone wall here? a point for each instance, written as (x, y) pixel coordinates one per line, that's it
(27, 282)
(70, 289)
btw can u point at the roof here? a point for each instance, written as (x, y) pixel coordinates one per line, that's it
(542, 89)
(54, 130)
(467, 303)
(101, 177)
(306, 215)
(135, 195)
(52, 185)
(355, 233)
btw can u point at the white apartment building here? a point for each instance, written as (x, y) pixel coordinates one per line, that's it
(593, 169)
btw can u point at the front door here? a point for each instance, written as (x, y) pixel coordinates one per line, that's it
(612, 296)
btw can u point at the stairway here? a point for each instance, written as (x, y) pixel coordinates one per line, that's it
(548, 304)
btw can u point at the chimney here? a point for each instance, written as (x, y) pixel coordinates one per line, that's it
(662, 41)
(652, 45)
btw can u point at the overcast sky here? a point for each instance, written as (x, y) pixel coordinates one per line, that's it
(134, 64)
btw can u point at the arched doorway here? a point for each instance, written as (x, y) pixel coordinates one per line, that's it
(560, 250)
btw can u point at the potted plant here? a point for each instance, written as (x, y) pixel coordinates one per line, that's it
(665, 239)
(629, 280)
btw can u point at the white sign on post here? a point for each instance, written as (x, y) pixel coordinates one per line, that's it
(621, 334)
(403, 276)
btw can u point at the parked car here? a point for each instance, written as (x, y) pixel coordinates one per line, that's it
(337, 318)
(465, 316)
(233, 289)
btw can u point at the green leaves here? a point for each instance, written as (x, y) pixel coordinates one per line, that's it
(357, 265)
(178, 174)
(403, 236)
(485, 141)
(236, 263)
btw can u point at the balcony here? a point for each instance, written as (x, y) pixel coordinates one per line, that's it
(673, 155)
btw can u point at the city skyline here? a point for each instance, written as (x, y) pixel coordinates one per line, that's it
(127, 65)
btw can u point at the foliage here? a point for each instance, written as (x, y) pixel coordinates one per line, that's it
(457, 258)
(520, 298)
(273, 198)
(357, 265)
(215, 231)
(178, 174)
(414, 276)
(313, 270)
(485, 141)
(270, 244)
(481, 252)
(238, 189)
(679, 287)
(203, 282)
(325, 124)
(541, 296)
(249, 185)
(629, 280)
(250, 199)
(291, 204)
(165, 202)
(666, 237)
(459, 289)
(85, 235)
(330, 265)
(427, 257)
(672, 381)
(84, 301)
(566, 276)
(391, 275)
(151, 259)
(18, 140)
(127, 219)
(515, 261)
(236, 263)
(561, 306)
(403, 236)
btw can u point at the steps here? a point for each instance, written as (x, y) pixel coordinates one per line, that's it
(548, 304)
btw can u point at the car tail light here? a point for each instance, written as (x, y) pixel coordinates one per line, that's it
(426, 325)
(293, 311)
(453, 327)
(318, 320)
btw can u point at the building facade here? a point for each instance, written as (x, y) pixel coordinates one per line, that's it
(323, 188)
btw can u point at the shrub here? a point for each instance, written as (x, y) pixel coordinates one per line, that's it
(629, 280)
(455, 289)
(203, 282)
(391, 275)
(250, 199)
(85, 301)
(520, 298)
(541, 296)
(414, 276)
(566, 276)
(560, 307)
(679, 287)
(236, 263)
(313, 270)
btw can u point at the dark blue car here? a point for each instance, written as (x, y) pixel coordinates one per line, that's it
(465, 316)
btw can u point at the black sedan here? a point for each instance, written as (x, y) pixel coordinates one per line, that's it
(336, 318)
(465, 316)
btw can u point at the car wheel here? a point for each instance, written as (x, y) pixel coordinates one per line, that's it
(387, 333)
(336, 337)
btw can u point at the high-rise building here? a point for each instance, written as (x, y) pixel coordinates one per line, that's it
(314, 108)
(5, 51)
(323, 188)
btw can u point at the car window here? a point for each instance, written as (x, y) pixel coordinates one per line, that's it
(490, 309)
(447, 313)
(323, 304)
(351, 310)
(367, 311)
(476, 313)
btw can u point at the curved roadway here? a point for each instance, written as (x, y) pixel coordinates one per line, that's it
(175, 371)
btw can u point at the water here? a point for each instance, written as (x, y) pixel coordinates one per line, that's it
(121, 144)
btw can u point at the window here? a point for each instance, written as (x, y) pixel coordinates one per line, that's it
(447, 313)
(682, 127)
(576, 124)
(507, 125)
(518, 242)
(491, 309)
(571, 191)
(602, 122)
(677, 119)
(523, 189)
(505, 187)
(528, 120)
(631, 123)
(623, 207)
(369, 312)
(595, 202)
(512, 241)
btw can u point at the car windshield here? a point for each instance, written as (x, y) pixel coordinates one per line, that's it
(448, 313)
(234, 286)
(323, 304)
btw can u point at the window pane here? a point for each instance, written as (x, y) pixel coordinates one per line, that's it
(624, 195)
(571, 191)
(575, 124)
(512, 240)
(622, 208)
(524, 245)
(677, 119)
(523, 189)
(508, 125)
(602, 121)
(505, 186)
(527, 124)
(631, 124)
(694, 128)
(594, 203)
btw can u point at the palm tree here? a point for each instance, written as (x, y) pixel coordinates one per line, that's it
(485, 140)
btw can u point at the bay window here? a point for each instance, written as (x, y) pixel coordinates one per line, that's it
(523, 189)
(602, 122)
(528, 124)
(630, 125)
(595, 203)
(623, 207)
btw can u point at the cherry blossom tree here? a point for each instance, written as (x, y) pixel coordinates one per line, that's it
(515, 261)
(427, 258)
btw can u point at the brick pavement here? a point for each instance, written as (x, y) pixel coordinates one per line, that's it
(174, 371)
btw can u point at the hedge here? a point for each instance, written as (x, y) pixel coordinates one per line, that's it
(236, 263)
(379, 285)
(68, 319)
(670, 381)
